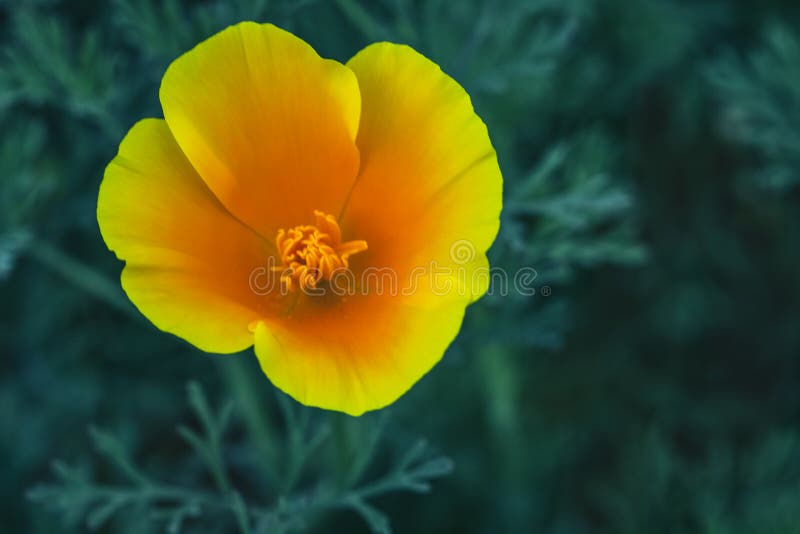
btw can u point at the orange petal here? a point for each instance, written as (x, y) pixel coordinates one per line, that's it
(267, 123)
(427, 161)
(357, 357)
(188, 261)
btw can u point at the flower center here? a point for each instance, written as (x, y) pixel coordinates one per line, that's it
(310, 253)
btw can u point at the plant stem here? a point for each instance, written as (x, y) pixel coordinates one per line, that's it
(81, 276)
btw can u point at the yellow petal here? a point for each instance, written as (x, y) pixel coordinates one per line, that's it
(188, 261)
(358, 357)
(427, 161)
(267, 123)
(429, 190)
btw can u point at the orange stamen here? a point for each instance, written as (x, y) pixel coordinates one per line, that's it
(310, 253)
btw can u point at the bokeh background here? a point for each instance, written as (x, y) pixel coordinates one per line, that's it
(651, 155)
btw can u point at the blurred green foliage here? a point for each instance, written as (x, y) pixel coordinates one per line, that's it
(650, 154)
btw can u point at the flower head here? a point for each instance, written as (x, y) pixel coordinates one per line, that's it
(345, 185)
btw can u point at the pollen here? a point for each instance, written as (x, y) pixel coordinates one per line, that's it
(313, 253)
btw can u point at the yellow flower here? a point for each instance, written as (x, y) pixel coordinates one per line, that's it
(357, 187)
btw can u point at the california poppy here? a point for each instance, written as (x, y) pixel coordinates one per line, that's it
(272, 160)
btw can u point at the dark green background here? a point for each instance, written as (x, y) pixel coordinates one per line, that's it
(651, 156)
